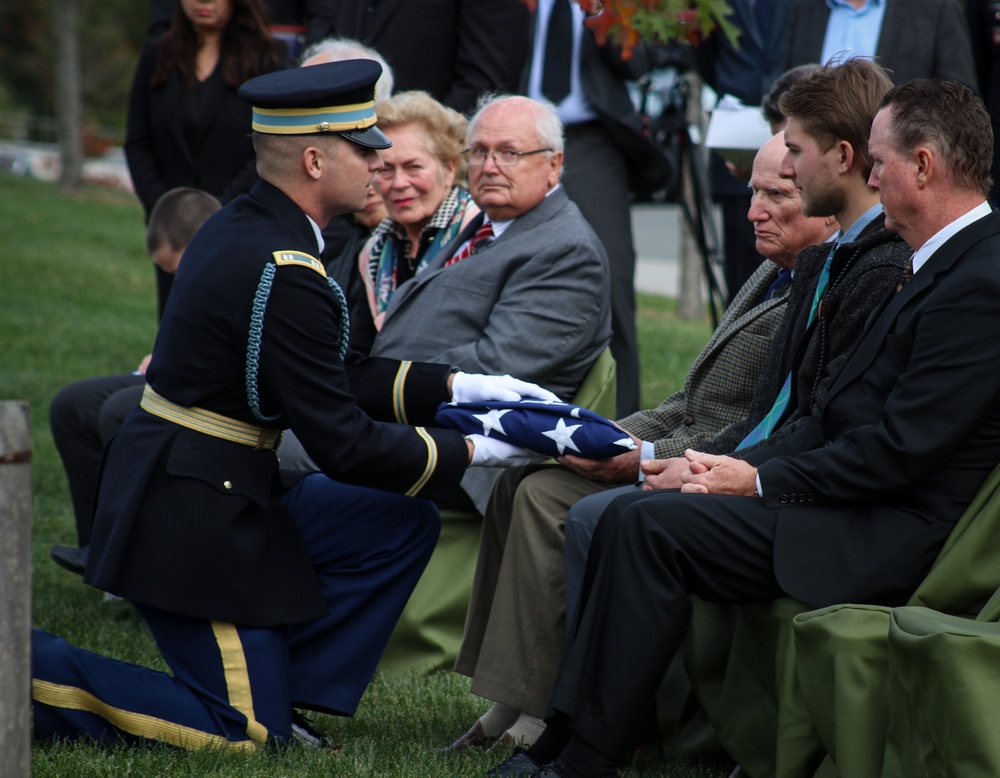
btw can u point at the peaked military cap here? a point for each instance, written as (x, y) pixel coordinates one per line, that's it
(334, 97)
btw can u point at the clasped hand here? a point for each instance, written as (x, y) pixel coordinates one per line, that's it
(699, 473)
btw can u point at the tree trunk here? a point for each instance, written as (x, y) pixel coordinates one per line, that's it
(69, 109)
(15, 590)
(691, 299)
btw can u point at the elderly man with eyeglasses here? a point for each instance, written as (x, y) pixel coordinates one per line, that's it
(523, 289)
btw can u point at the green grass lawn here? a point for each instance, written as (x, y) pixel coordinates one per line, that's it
(76, 300)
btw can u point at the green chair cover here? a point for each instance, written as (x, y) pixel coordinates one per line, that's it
(804, 693)
(739, 661)
(842, 653)
(944, 696)
(429, 631)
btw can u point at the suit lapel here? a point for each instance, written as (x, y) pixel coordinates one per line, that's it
(748, 310)
(541, 212)
(813, 33)
(879, 325)
(892, 26)
(749, 23)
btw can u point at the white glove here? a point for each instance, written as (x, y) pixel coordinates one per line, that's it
(491, 452)
(476, 388)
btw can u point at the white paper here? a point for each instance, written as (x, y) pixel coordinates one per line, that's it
(737, 131)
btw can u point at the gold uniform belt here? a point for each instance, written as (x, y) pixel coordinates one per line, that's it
(210, 423)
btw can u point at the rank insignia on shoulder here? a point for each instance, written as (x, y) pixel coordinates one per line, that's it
(299, 258)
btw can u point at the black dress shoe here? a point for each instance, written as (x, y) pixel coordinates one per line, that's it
(518, 765)
(72, 559)
(551, 770)
(305, 733)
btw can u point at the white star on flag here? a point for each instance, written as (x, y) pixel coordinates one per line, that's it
(563, 436)
(491, 421)
(626, 443)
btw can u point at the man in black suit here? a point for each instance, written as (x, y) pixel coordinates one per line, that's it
(457, 50)
(854, 506)
(913, 39)
(607, 154)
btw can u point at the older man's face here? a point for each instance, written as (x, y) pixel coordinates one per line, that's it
(895, 175)
(780, 228)
(505, 192)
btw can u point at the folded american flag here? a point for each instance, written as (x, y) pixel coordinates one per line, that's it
(549, 428)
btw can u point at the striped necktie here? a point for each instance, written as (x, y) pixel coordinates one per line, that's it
(766, 425)
(483, 235)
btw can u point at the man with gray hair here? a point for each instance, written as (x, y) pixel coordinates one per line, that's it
(339, 49)
(522, 290)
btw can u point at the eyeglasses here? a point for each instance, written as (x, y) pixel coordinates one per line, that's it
(502, 157)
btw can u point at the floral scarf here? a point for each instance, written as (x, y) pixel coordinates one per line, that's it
(389, 245)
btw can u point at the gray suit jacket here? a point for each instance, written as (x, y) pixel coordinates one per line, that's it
(720, 383)
(533, 303)
(919, 39)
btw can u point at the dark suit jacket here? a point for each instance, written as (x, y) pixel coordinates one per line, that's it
(160, 156)
(603, 74)
(745, 70)
(455, 49)
(532, 303)
(919, 39)
(908, 433)
(193, 524)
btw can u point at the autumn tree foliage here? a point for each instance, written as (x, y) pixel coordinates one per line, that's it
(627, 22)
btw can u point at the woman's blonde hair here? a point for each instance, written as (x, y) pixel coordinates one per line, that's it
(445, 127)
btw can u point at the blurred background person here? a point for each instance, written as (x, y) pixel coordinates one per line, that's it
(608, 156)
(745, 68)
(909, 38)
(186, 126)
(456, 50)
(984, 27)
(776, 120)
(297, 23)
(421, 187)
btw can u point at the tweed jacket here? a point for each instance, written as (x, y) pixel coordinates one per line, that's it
(861, 275)
(532, 303)
(919, 39)
(719, 384)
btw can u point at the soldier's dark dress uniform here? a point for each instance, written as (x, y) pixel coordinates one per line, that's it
(260, 596)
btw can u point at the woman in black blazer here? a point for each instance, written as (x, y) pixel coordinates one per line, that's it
(186, 125)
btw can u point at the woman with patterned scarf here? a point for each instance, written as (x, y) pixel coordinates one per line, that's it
(420, 186)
